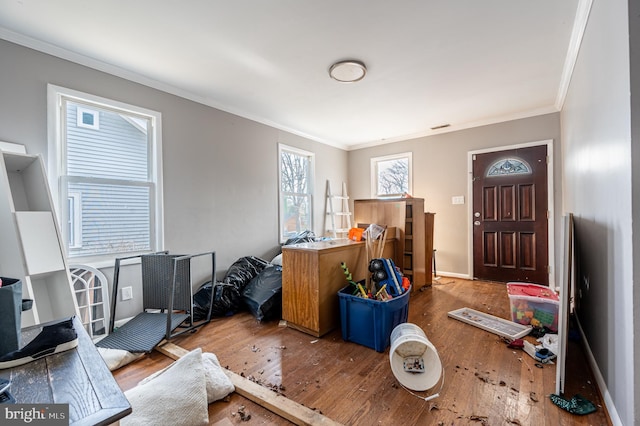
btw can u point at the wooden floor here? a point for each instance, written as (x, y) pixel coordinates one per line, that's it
(485, 382)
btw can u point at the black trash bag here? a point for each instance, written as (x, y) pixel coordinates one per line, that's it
(227, 295)
(243, 270)
(227, 300)
(263, 295)
(201, 301)
(302, 237)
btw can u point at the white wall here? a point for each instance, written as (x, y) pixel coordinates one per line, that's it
(634, 57)
(440, 172)
(220, 170)
(597, 186)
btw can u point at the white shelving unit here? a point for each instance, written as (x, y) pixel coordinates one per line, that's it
(30, 244)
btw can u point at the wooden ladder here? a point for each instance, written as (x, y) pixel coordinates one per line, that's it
(344, 214)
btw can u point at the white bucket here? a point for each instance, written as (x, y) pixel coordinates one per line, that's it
(408, 340)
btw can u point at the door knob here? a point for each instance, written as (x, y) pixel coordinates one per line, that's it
(476, 223)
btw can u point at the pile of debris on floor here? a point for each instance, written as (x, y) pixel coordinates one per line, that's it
(535, 312)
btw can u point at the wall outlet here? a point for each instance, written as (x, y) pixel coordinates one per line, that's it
(127, 293)
(459, 199)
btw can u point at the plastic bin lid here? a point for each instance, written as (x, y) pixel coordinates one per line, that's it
(531, 290)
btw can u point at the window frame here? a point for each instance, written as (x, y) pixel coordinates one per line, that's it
(310, 187)
(57, 168)
(74, 198)
(374, 174)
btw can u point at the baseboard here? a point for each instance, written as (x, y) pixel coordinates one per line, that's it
(606, 396)
(452, 275)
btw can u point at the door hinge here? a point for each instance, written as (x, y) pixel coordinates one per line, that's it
(474, 157)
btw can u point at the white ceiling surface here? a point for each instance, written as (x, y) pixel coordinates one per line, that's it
(430, 62)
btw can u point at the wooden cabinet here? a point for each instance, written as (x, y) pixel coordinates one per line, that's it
(312, 277)
(30, 245)
(408, 216)
(429, 219)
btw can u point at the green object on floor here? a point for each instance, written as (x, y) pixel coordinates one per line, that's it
(577, 405)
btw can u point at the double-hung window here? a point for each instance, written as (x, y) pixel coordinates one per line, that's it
(105, 173)
(296, 169)
(391, 175)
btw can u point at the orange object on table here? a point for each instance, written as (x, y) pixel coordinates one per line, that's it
(355, 234)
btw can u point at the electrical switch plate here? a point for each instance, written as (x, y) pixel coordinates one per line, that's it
(459, 199)
(127, 293)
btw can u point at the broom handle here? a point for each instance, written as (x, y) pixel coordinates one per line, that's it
(384, 239)
(369, 251)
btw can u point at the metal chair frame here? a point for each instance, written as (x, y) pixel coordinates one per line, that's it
(164, 292)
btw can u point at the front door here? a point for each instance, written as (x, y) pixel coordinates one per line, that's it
(510, 225)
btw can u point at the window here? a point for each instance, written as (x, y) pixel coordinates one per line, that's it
(296, 168)
(104, 168)
(89, 119)
(391, 175)
(508, 166)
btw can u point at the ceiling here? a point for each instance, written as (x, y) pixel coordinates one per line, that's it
(430, 62)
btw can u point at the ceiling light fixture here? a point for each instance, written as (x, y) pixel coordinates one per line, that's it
(348, 71)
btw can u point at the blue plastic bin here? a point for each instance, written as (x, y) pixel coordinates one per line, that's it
(370, 322)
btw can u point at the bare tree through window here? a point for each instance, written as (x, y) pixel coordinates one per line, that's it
(295, 203)
(393, 176)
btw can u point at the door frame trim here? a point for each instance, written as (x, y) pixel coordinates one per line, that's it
(550, 203)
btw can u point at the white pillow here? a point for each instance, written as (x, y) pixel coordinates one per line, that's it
(219, 384)
(116, 358)
(176, 395)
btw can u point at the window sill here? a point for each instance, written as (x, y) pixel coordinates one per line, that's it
(102, 263)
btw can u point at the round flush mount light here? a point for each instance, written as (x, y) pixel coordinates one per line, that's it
(348, 71)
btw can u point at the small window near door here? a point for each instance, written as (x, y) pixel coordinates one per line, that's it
(508, 166)
(391, 175)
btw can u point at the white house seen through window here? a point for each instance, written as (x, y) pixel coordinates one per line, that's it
(106, 174)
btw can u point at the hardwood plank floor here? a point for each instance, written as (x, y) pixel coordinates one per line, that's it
(485, 382)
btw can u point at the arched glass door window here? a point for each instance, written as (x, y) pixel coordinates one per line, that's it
(90, 286)
(508, 166)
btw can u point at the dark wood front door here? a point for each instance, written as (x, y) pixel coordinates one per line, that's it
(510, 225)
